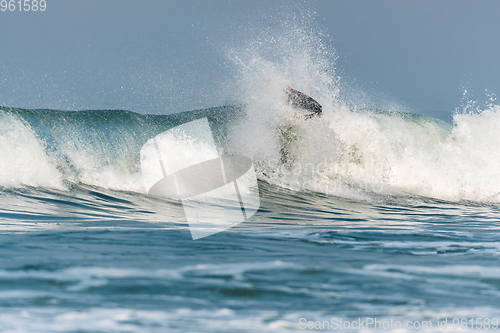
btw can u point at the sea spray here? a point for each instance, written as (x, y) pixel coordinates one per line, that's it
(366, 150)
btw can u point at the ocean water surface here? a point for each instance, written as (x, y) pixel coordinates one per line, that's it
(366, 215)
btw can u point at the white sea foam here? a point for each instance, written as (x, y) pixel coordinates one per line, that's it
(23, 159)
(134, 320)
(56, 319)
(354, 149)
(81, 278)
(453, 270)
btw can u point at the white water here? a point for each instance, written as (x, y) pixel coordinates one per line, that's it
(23, 160)
(352, 152)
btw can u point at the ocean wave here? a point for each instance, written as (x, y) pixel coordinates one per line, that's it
(347, 153)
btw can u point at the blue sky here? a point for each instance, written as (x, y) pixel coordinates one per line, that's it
(168, 56)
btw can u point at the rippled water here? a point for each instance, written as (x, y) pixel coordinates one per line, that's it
(94, 260)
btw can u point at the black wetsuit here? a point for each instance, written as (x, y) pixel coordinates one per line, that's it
(304, 102)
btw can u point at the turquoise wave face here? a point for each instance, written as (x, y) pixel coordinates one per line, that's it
(103, 128)
(48, 147)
